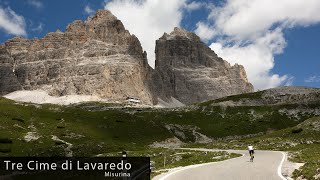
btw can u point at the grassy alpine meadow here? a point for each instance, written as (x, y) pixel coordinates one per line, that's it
(47, 130)
(94, 128)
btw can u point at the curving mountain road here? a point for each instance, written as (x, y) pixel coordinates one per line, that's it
(266, 166)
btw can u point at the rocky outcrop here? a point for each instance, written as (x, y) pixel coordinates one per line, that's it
(96, 57)
(191, 72)
(290, 95)
(275, 96)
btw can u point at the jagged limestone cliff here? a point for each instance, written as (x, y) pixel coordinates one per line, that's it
(191, 72)
(96, 57)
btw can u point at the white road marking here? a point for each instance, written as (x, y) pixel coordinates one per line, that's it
(280, 166)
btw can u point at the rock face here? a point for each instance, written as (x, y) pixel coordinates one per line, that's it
(189, 71)
(96, 57)
(100, 58)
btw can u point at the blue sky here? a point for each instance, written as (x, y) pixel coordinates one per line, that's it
(276, 44)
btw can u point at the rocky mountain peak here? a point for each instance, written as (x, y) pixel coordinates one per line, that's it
(180, 33)
(102, 16)
(98, 57)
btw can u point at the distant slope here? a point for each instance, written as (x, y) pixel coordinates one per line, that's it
(274, 96)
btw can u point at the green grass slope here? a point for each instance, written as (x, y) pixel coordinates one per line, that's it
(89, 133)
(95, 128)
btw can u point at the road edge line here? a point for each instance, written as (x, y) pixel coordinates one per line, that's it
(280, 166)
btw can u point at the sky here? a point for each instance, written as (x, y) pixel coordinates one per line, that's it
(277, 43)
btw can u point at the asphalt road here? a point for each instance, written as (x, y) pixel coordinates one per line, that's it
(266, 166)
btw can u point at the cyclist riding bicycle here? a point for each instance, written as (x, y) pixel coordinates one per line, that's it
(251, 152)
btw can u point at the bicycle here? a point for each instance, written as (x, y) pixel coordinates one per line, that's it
(251, 156)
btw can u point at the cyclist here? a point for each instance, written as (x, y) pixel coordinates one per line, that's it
(251, 152)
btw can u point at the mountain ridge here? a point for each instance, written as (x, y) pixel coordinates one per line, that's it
(99, 57)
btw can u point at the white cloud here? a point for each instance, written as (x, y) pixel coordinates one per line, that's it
(39, 28)
(35, 3)
(250, 33)
(204, 31)
(257, 58)
(312, 79)
(12, 23)
(289, 81)
(88, 10)
(194, 6)
(148, 19)
(248, 18)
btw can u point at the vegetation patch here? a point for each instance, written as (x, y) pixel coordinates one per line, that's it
(18, 119)
(5, 141)
(5, 150)
(296, 130)
(251, 96)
